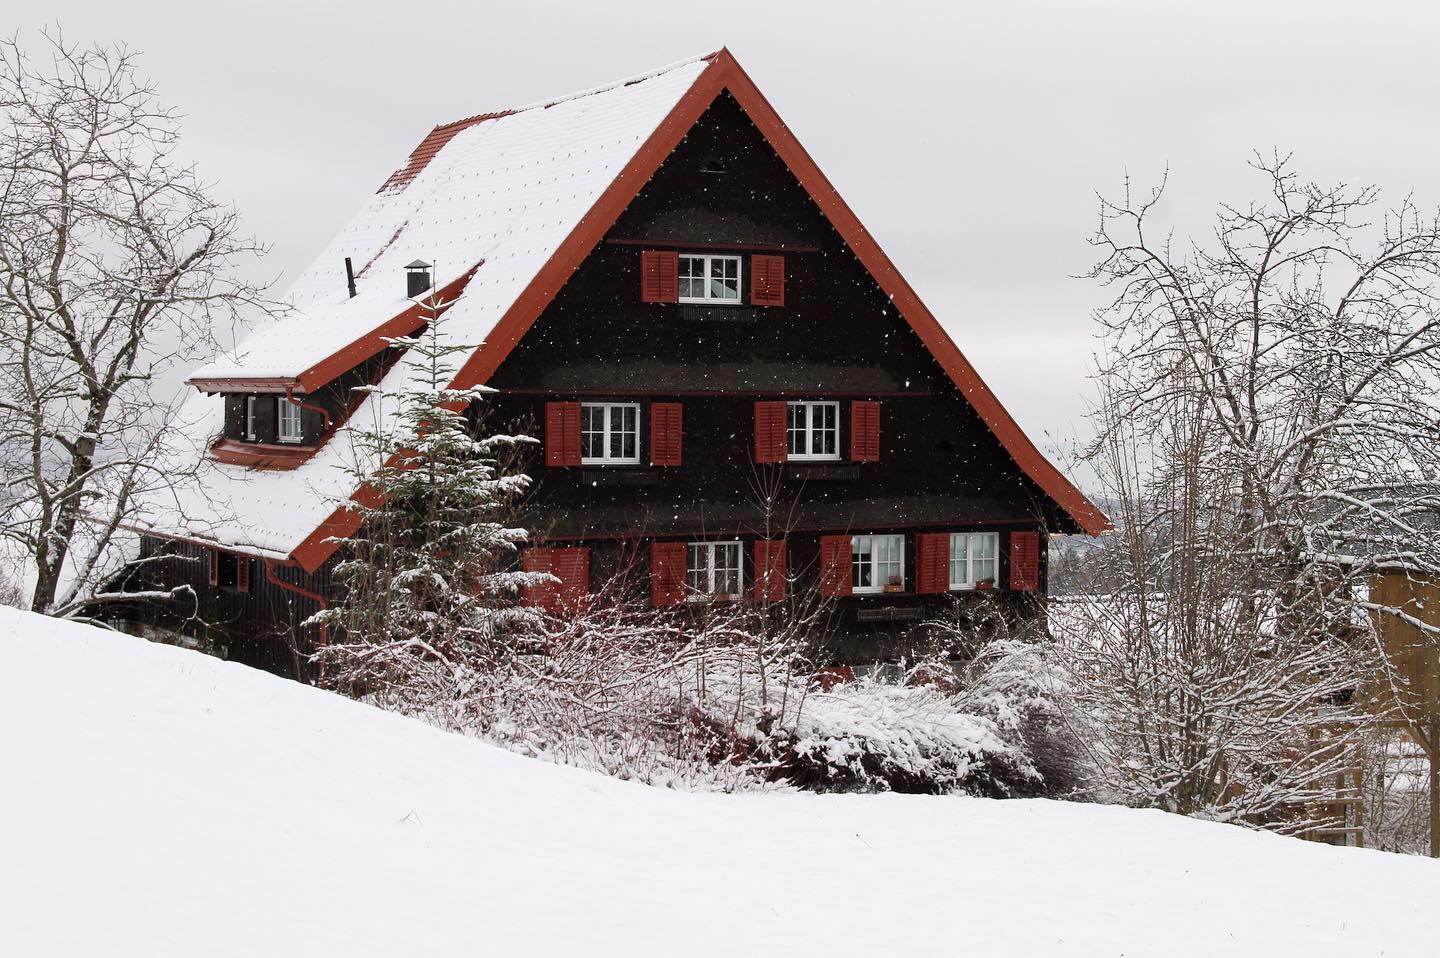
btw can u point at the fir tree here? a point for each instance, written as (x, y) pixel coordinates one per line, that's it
(430, 582)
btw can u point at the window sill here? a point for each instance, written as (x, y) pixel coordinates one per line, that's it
(260, 455)
(600, 463)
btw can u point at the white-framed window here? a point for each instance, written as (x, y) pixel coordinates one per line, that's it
(714, 569)
(288, 429)
(709, 279)
(877, 562)
(812, 430)
(250, 417)
(609, 432)
(973, 558)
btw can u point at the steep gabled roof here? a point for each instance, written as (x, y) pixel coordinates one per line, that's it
(528, 194)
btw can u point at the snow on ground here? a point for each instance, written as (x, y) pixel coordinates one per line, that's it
(159, 802)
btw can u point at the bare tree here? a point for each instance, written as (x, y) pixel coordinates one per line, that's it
(1268, 432)
(115, 265)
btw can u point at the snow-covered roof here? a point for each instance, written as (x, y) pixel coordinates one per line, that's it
(506, 205)
(504, 191)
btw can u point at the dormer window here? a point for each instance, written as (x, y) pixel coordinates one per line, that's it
(709, 279)
(289, 429)
(251, 418)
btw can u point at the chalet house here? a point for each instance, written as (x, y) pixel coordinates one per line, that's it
(662, 285)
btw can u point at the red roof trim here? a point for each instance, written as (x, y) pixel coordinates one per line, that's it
(378, 340)
(232, 384)
(724, 74)
(260, 455)
(347, 357)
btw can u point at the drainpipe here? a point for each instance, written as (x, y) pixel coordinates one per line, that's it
(290, 396)
(291, 587)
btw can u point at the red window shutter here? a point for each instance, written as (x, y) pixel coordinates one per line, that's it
(932, 562)
(242, 573)
(667, 573)
(665, 433)
(770, 568)
(1025, 561)
(214, 558)
(835, 565)
(659, 276)
(538, 560)
(570, 565)
(562, 434)
(767, 280)
(770, 441)
(865, 430)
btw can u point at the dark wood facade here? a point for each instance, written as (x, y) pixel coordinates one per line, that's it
(834, 335)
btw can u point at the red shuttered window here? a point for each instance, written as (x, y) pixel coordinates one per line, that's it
(667, 573)
(1025, 561)
(242, 573)
(835, 565)
(570, 565)
(770, 442)
(562, 434)
(932, 562)
(770, 567)
(659, 277)
(865, 430)
(214, 573)
(666, 422)
(767, 280)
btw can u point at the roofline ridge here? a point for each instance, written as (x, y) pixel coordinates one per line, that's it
(579, 94)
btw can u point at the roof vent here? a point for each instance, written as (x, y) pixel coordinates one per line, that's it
(417, 278)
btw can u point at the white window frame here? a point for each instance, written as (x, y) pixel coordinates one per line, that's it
(250, 432)
(875, 587)
(608, 429)
(706, 264)
(288, 413)
(966, 565)
(709, 593)
(810, 431)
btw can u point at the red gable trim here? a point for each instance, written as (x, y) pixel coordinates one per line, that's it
(724, 74)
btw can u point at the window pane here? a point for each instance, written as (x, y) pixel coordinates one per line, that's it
(959, 559)
(727, 566)
(697, 568)
(724, 278)
(861, 572)
(592, 432)
(692, 277)
(826, 443)
(795, 431)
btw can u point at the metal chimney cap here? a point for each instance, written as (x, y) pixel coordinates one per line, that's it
(419, 264)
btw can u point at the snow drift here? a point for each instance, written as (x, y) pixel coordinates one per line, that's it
(158, 802)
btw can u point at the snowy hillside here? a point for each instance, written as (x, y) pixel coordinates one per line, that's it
(158, 802)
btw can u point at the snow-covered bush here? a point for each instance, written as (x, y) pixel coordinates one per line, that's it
(876, 736)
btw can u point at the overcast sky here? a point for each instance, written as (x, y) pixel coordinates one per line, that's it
(970, 137)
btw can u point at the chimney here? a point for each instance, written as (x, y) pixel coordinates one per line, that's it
(350, 277)
(417, 278)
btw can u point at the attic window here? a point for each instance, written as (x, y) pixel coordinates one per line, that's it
(290, 430)
(251, 418)
(709, 279)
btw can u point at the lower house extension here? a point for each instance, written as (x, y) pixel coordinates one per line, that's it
(663, 288)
